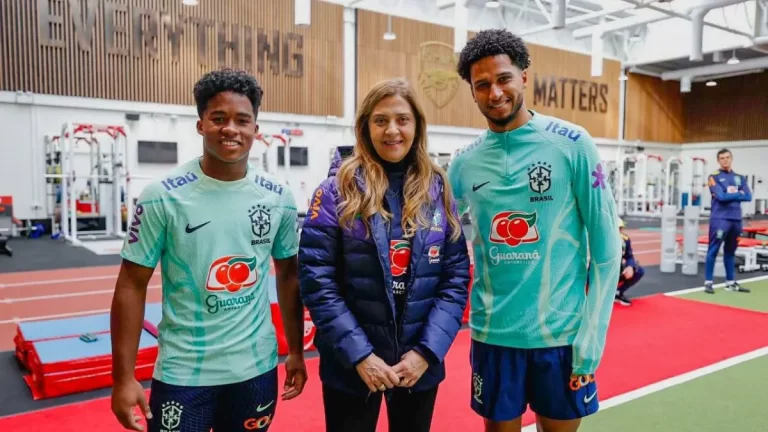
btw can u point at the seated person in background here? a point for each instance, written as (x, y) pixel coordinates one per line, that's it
(631, 271)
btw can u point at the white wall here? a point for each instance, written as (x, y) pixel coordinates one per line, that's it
(17, 158)
(27, 119)
(22, 146)
(749, 158)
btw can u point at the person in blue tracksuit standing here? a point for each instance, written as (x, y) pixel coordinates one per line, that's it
(384, 270)
(728, 190)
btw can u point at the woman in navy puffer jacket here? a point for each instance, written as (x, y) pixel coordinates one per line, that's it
(384, 270)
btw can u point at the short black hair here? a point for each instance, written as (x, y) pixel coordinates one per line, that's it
(489, 43)
(224, 80)
(723, 151)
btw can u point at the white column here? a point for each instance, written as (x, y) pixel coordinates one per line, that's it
(460, 16)
(761, 19)
(597, 51)
(622, 103)
(558, 14)
(697, 34)
(350, 64)
(302, 12)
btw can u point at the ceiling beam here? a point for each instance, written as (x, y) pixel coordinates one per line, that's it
(605, 13)
(615, 26)
(635, 21)
(597, 14)
(674, 14)
(756, 63)
(443, 4)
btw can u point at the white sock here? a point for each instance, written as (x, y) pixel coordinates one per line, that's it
(730, 282)
(707, 282)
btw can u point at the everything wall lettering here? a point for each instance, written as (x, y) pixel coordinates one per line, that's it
(280, 52)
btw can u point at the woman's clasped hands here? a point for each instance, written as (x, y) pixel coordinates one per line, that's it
(379, 376)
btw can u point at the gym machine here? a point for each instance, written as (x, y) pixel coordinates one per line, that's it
(107, 182)
(6, 224)
(672, 183)
(685, 188)
(612, 170)
(268, 159)
(673, 252)
(443, 160)
(698, 184)
(640, 193)
(626, 183)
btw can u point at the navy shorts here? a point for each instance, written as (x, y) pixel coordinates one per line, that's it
(245, 406)
(506, 380)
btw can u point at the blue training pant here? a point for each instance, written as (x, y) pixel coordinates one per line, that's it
(629, 283)
(726, 233)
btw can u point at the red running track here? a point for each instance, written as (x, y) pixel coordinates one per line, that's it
(52, 294)
(646, 245)
(658, 338)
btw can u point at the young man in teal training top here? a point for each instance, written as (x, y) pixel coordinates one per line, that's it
(542, 213)
(214, 223)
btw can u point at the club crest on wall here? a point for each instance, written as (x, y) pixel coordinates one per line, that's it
(438, 78)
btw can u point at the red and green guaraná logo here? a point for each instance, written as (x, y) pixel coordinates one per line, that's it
(513, 228)
(232, 273)
(399, 256)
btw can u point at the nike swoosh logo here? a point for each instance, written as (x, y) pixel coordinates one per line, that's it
(588, 399)
(262, 408)
(190, 230)
(475, 187)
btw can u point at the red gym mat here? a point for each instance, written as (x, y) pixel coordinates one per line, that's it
(657, 338)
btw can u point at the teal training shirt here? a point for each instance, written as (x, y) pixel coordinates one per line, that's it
(214, 241)
(541, 211)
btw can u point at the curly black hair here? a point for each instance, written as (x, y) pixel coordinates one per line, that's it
(223, 80)
(492, 42)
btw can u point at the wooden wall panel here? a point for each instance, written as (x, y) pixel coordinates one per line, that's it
(378, 60)
(654, 110)
(734, 110)
(559, 82)
(155, 50)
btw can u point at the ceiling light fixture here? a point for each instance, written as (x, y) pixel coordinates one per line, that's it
(733, 60)
(389, 34)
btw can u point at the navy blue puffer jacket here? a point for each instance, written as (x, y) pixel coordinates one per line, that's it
(344, 280)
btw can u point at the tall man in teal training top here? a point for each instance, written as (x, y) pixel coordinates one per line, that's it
(542, 215)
